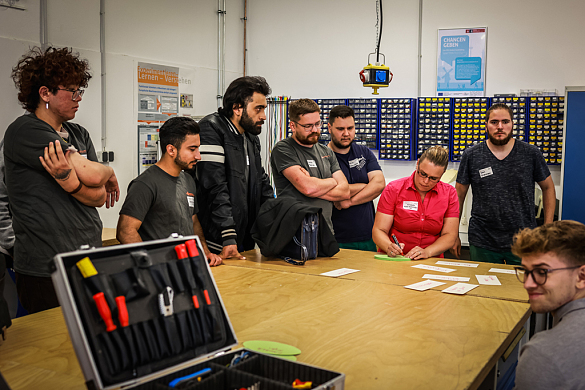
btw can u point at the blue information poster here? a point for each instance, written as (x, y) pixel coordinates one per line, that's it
(461, 62)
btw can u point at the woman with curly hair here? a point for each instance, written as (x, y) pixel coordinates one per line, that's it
(53, 179)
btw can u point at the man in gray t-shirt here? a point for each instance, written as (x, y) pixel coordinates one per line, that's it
(553, 272)
(502, 172)
(303, 168)
(161, 201)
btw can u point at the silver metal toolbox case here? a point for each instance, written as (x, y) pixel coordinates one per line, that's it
(166, 319)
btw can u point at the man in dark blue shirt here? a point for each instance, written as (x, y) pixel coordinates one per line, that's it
(353, 219)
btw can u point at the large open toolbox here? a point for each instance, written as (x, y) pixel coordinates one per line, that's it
(176, 323)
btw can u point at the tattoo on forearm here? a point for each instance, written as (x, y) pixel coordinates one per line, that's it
(62, 175)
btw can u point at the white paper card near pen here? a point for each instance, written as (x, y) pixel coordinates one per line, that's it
(424, 285)
(339, 272)
(457, 264)
(460, 288)
(433, 268)
(502, 271)
(446, 277)
(490, 280)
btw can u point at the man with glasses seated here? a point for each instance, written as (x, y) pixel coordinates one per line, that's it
(553, 273)
(303, 168)
(502, 172)
(419, 210)
(53, 179)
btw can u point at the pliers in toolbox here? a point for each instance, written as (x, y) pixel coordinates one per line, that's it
(165, 301)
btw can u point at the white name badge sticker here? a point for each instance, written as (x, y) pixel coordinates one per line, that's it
(485, 172)
(191, 200)
(312, 163)
(410, 205)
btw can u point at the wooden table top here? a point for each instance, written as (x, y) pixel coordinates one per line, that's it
(399, 273)
(109, 237)
(38, 354)
(379, 334)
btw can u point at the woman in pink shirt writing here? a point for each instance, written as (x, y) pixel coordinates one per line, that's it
(420, 210)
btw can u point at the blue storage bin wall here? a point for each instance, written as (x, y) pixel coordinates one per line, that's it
(397, 126)
(325, 105)
(366, 121)
(545, 126)
(434, 123)
(468, 124)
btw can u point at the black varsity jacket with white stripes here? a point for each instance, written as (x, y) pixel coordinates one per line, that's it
(228, 205)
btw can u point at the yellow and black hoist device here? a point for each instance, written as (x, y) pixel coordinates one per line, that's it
(378, 75)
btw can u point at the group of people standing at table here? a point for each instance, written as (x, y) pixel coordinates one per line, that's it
(210, 181)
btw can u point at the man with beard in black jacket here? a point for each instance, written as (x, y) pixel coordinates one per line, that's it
(231, 182)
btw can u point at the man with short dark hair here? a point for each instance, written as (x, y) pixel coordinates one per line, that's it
(231, 181)
(553, 273)
(161, 201)
(353, 219)
(502, 172)
(303, 168)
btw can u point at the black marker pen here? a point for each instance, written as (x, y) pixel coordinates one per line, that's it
(397, 243)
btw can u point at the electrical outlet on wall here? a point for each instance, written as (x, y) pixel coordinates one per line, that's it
(106, 156)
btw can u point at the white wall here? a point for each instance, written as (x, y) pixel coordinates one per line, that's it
(303, 48)
(316, 49)
(310, 48)
(180, 33)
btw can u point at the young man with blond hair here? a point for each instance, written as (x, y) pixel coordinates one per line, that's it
(553, 273)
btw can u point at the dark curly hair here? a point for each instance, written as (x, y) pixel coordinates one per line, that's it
(50, 68)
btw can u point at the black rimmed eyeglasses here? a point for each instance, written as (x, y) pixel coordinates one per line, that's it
(310, 125)
(425, 176)
(77, 93)
(539, 275)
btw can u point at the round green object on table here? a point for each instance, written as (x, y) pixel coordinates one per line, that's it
(287, 357)
(271, 347)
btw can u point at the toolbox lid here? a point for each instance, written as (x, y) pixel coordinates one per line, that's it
(171, 315)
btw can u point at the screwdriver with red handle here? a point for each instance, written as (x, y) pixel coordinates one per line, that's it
(122, 311)
(194, 253)
(212, 315)
(104, 310)
(183, 257)
(90, 275)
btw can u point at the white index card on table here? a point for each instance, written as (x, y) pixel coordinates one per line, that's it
(339, 272)
(446, 277)
(490, 280)
(502, 271)
(460, 288)
(424, 285)
(457, 264)
(433, 268)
